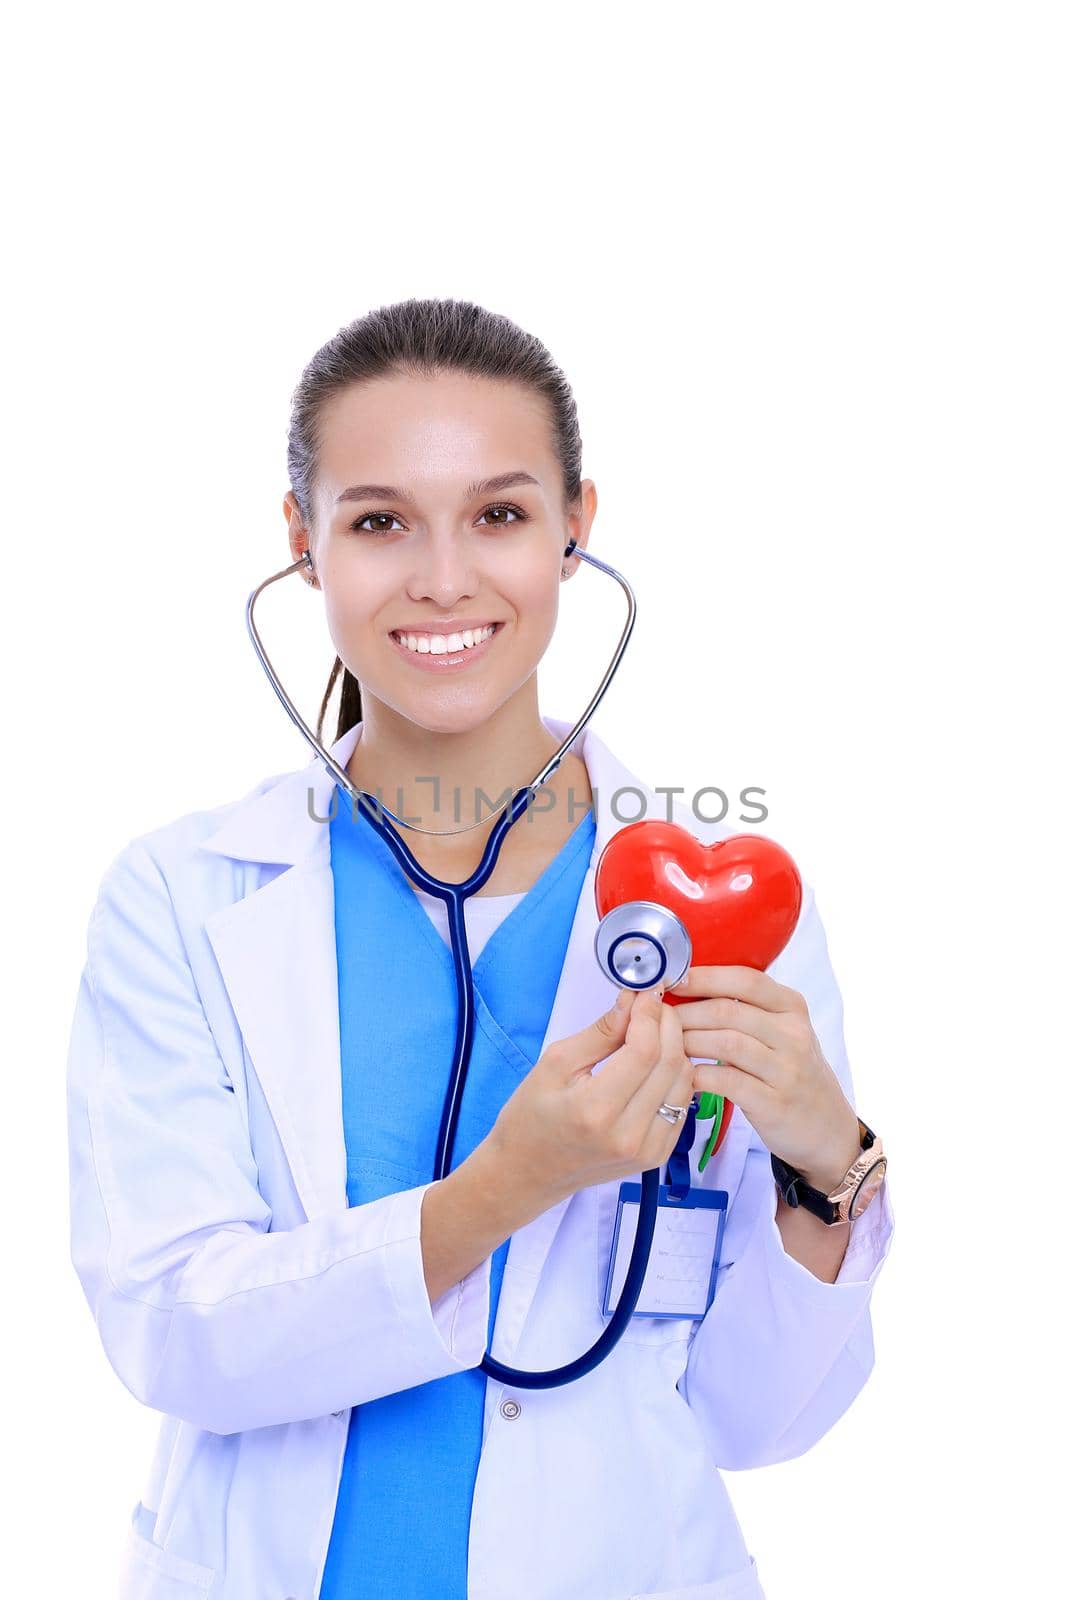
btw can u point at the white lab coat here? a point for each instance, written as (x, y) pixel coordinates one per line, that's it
(237, 1293)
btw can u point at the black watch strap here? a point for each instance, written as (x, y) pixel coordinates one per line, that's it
(798, 1193)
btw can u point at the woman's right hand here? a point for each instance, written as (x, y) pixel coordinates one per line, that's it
(564, 1129)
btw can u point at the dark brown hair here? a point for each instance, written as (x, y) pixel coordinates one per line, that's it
(421, 338)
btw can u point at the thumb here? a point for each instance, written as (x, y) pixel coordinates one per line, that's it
(603, 1036)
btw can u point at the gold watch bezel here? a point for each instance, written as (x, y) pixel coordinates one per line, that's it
(845, 1193)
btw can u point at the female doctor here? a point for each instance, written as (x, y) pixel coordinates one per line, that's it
(262, 1039)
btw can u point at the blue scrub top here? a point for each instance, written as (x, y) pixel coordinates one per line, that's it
(403, 1507)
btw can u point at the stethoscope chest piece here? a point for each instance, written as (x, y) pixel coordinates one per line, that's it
(640, 943)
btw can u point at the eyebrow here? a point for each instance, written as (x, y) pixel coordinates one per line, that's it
(387, 491)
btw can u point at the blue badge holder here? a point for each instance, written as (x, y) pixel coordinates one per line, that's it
(676, 1193)
(712, 1199)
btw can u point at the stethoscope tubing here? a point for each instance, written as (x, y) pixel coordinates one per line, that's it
(382, 820)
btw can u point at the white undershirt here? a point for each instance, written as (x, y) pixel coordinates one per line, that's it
(484, 914)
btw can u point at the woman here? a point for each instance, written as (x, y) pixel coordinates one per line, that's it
(262, 1039)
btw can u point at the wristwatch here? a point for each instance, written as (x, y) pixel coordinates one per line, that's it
(851, 1197)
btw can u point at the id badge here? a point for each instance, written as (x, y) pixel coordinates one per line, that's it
(683, 1264)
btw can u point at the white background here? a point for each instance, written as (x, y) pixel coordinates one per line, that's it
(804, 267)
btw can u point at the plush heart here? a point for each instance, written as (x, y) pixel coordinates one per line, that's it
(739, 898)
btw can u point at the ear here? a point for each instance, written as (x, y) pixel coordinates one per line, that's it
(580, 520)
(299, 539)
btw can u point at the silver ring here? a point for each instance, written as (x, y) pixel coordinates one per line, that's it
(671, 1113)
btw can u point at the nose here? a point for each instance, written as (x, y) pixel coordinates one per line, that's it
(443, 569)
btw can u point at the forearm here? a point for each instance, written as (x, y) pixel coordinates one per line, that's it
(812, 1242)
(466, 1215)
(817, 1245)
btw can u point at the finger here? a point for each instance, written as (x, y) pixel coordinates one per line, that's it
(656, 1137)
(683, 1088)
(751, 1094)
(601, 1038)
(728, 1012)
(680, 1093)
(630, 1066)
(743, 983)
(672, 1075)
(668, 1046)
(740, 1050)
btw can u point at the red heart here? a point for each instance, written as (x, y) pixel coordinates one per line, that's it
(739, 898)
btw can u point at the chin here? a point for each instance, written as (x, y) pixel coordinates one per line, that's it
(443, 711)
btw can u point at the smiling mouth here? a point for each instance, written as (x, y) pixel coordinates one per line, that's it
(461, 643)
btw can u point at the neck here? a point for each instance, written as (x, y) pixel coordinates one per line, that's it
(445, 780)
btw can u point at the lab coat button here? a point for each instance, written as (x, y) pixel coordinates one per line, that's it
(510, 1409)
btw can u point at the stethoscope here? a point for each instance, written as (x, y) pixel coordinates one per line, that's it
(626, 929)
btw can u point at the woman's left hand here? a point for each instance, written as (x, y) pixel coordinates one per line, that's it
(771, 1065)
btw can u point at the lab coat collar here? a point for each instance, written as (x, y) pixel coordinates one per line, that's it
(276, 951)
(283, 824)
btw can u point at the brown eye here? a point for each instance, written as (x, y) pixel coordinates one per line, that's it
(520, 515)
(374, 516)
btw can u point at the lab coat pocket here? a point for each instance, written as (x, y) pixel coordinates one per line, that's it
(151, 1573)
(742, 1585)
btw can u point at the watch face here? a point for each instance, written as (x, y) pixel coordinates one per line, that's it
(869, 1186)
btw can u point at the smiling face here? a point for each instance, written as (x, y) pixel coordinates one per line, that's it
(438, 517)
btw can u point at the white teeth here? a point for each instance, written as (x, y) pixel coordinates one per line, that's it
(439, 644)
